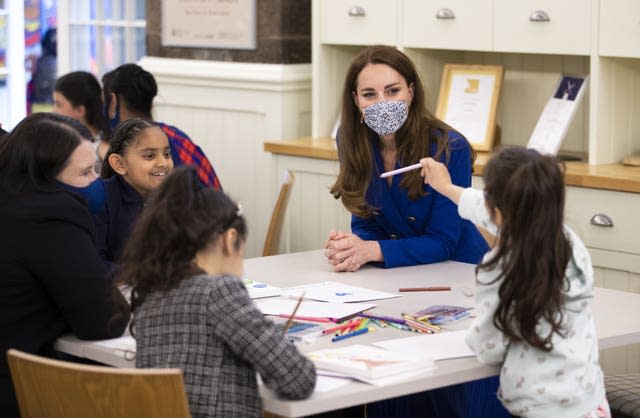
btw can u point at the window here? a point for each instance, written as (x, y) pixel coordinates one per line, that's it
(99, 35)
(12, 73)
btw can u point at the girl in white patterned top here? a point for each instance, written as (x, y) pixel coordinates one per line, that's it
(534, 288)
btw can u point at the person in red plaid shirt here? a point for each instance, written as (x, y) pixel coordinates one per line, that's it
(128, 92)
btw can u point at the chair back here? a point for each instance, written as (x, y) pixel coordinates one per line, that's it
(55, 389)
(272, 240)
(491, 239)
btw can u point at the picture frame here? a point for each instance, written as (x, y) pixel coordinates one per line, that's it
(468, 101)
(209, 24)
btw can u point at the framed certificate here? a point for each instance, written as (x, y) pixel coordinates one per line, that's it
(468, 101)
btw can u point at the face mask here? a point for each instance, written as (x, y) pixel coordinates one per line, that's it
(386, 117)
(93, 194)
(113, 123)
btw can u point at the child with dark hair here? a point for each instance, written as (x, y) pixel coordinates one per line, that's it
(533, 289)
(79, 96)
(138, 160)
(128, 93)
(191, 309)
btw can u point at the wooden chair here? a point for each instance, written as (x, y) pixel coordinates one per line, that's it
(272, 240)
(491, 239)
(52, 388)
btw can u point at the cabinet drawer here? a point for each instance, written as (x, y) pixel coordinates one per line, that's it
(518, 29)
(622, 208)
(359, 22)
(620, 28)
(453, 24)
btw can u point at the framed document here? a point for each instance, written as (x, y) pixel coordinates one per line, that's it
(220, 24)
(468, 101)
(556, 117)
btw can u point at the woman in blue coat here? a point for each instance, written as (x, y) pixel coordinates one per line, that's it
(397, 221)
(400, 221)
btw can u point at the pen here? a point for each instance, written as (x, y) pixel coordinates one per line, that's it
(382, 318)
(424, 289)
(401, 170)
(351, 334)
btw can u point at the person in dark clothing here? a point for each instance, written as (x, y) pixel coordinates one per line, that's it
(46, 69)
(52, 280)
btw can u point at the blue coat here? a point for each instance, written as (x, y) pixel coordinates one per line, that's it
(114, 222)
(426, 230)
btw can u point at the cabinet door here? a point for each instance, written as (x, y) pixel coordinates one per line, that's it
(587, 211)
(542, 26)
(453, 24)
(360, 22)
(620, 28)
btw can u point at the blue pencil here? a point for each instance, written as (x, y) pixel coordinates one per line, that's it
(351, 334)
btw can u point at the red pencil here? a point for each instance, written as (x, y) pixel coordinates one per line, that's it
(306, 318)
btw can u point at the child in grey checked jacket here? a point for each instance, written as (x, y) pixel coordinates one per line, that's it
(191, 309)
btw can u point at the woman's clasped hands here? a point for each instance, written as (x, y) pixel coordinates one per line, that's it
(347, 252)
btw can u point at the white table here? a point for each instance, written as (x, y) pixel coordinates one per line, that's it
(614, 329)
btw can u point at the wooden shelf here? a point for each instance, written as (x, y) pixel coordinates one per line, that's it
(603, 176)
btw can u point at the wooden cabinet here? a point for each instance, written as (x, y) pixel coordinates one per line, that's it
(619, 34)
(606, 220)
(358, 23)
(606, 126)
(459, 25)
(542, 26)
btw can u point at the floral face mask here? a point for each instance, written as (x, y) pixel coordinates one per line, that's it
(386, 117)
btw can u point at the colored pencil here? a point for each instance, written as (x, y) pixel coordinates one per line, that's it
(401, 170)
(382, 318)
(425, 289)
(306, 318)
(351, 334)
(288, 324)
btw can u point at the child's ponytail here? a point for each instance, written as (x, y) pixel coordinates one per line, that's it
(533, 251)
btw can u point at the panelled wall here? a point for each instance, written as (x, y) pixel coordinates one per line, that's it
(230, 109)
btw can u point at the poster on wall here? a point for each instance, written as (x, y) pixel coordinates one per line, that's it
(223, 24)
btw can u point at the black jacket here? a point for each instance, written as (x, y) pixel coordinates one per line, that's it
(52, 280)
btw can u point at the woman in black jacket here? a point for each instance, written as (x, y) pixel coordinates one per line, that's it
(52, 280)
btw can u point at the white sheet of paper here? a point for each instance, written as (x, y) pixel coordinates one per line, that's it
(337, 292)
(312, 308)
(261, 290)
(381, 381)
(440, 346)
(328, 383)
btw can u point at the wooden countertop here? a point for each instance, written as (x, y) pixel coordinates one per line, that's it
(602, 176)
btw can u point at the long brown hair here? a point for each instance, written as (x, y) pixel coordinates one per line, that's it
(181, 218)
(533, 251)
(413, 139)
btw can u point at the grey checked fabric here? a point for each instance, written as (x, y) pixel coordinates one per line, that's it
(623, 393)
(210, 328)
